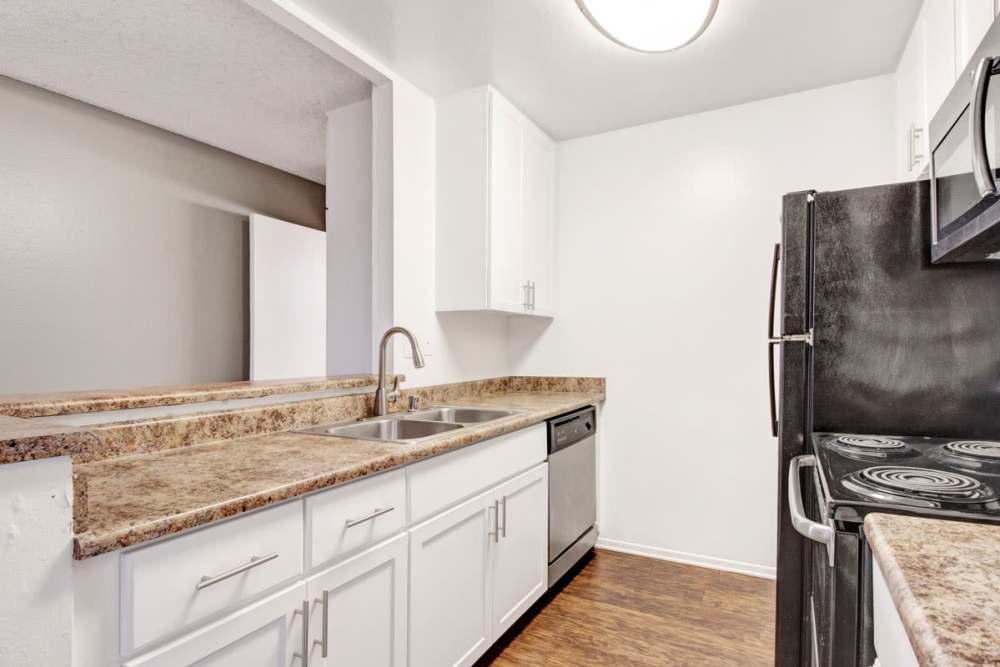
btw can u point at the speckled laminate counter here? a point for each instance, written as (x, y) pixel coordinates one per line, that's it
(44, 405)
(944, 577)
(132, 499)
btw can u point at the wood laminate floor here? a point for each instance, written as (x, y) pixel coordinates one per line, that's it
(629, 610)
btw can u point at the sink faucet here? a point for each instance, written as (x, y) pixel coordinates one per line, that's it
(381, 399)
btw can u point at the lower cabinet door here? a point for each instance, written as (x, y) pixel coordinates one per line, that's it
(358, 615)
(450, 585)
(520, 559)
(267, 633)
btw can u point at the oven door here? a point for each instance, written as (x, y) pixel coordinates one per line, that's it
(835, 623)
(818, 568)
(965, 198)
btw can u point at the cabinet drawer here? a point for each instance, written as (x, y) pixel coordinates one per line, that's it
(447, 479)
(170, 585)
(350, 517)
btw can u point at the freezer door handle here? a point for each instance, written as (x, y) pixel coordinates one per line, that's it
(772, 341)
(813, 530)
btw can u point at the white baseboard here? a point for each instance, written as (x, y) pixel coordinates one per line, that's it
(712, 562)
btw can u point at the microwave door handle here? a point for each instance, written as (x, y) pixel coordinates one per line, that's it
(981, 169)
(772, 340)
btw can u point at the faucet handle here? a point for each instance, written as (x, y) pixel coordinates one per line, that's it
(394, 392)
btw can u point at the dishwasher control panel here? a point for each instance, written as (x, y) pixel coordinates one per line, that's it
(570, 429)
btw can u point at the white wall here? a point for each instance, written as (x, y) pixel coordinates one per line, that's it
(36, 556)
(664, 244)
(457, 346)
(349, 238)
(123, 252)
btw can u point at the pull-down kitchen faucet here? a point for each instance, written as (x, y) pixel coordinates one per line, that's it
(381, 399)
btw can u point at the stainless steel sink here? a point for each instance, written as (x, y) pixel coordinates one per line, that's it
(413, 427)
(460, 415)
(390, 429)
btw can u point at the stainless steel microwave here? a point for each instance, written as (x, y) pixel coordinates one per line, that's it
(965, 192)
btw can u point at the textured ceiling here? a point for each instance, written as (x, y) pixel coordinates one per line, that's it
(573, 81)
(212, 70)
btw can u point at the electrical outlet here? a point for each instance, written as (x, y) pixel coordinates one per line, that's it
(425, 348)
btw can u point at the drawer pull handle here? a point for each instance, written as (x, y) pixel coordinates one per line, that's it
(207, 581)
(351, 523)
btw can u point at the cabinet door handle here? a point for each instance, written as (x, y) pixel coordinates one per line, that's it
(527, 295)
(377, 512)
(532, 288)
(325, 642)
(305, 633)
(495, 533)
(207, 580)
(503, 526)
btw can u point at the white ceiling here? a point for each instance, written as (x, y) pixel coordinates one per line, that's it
(212, 70)
(573, 81)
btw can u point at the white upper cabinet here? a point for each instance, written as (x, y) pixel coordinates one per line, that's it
(496, 207)
(945, 35)
(972, 19)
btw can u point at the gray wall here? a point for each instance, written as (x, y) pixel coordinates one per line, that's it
(123, 248)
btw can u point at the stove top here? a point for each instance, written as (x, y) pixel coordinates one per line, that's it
(932, 476)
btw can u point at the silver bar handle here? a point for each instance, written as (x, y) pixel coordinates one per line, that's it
(495, 533)
(207, 580)
(503, 526)
(981, 169)
(806, 527)
(532, 284)
(527, 295)
(377, 512)
(305, 634)
(325, 642)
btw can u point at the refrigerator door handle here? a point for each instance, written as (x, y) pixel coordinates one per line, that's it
(772, 341)
(985, 181)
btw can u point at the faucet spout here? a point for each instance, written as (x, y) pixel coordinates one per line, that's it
(381, 398)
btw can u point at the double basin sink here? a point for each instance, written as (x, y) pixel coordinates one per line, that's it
(412, 427)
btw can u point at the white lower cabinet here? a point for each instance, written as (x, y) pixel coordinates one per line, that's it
(358, 615)
(520, 555)
(475, 568)
(449, 585)
(305, 584)
(267, 633)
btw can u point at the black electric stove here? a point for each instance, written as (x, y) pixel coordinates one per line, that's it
(943, 477)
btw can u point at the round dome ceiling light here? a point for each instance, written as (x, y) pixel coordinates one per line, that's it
(652, 26)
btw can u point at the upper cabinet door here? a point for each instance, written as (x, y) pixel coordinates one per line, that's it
(539, 220)
(495, 232)
(972, 19)
(911, 120)
(365, 609)
(937, 17)
(507, 281)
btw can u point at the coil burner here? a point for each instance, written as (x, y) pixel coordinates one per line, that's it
(981, 450)
(918, 483)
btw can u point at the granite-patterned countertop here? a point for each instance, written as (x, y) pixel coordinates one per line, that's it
(132, 499)
(944, 577)
(62, 403)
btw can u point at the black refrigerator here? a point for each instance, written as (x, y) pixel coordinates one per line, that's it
(871, 338)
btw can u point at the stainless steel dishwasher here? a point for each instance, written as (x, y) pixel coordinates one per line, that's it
(572, 489)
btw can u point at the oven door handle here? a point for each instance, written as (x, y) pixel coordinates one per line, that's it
(981, 169)
(815, 531)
